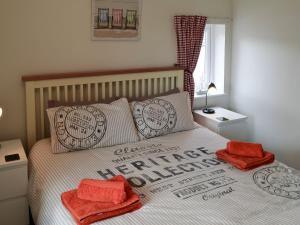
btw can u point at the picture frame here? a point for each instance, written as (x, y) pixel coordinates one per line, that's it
(103, 18)
(131, 21)
(116, 19)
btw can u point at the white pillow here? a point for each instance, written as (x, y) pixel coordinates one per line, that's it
(163, 115)
(91, 126)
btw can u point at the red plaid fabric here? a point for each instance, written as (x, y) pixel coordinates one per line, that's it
(190, 32)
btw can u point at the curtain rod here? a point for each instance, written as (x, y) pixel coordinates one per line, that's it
(228, 19)
(219, 19)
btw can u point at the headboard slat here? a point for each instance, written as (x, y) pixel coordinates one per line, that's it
(89, 92)
(50, 92)
(66, 97)
(149, 82)
(124, 88)
(103, 91)
(130, 88)
(96, 92)
(167, 87)
(81, 92)
(110, 90)
(73, 93)
(155, 86)
(117, 88)
(173, 82)
(42, 106)
(137, 88)
(57, 93)
(91, 88)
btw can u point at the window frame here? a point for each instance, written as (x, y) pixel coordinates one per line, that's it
(227, 61)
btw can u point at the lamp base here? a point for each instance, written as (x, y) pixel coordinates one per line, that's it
(208, 111)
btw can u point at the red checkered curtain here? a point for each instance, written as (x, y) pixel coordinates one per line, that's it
(190, 32)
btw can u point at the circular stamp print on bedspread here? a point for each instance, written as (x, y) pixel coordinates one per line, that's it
(154, 117)
(79, 127)
(279, 181)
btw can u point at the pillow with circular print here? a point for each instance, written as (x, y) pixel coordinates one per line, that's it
(162, 115)
(83, 127)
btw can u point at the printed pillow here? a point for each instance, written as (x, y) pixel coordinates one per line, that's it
(91, 126)
(163, 115)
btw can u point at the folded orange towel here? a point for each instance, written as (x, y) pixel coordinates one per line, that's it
(98, 217)
(102, 190)
(245, 149)
(86, 212)
(245, 163)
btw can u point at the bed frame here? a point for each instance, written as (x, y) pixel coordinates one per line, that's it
(91, 87)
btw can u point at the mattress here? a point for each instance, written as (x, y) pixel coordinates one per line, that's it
(178, 177)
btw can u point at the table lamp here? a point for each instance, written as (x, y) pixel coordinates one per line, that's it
(207, 110)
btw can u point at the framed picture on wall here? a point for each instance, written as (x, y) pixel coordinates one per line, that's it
(103, 18)
(116, 19)
(131, 20)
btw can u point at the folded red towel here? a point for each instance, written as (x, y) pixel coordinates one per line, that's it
(102, 190)
(86, 211)
(245, 149)
(97, 217)
(245, 163)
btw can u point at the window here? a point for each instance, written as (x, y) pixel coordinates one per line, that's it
(211, 63)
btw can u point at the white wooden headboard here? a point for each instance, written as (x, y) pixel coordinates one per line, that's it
(91, 86)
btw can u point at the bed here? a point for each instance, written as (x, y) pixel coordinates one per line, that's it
(177, 176)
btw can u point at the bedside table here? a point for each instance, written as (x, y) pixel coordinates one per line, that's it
(235, 128)
(13, 185)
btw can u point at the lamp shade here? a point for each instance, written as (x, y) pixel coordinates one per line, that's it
(211, 85)
(0, 112)
(211, 88)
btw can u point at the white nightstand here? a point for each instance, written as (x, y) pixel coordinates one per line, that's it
(13, 185)
(235, 128)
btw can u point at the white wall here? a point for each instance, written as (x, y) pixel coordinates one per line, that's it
(266, 73)
(39, 36)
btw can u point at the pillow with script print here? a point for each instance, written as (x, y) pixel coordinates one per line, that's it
(162, 115)
(84, 127)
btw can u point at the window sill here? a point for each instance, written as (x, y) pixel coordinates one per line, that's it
(210, 96)
(221, 100)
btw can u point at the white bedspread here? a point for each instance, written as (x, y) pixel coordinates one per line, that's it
(178, 178)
